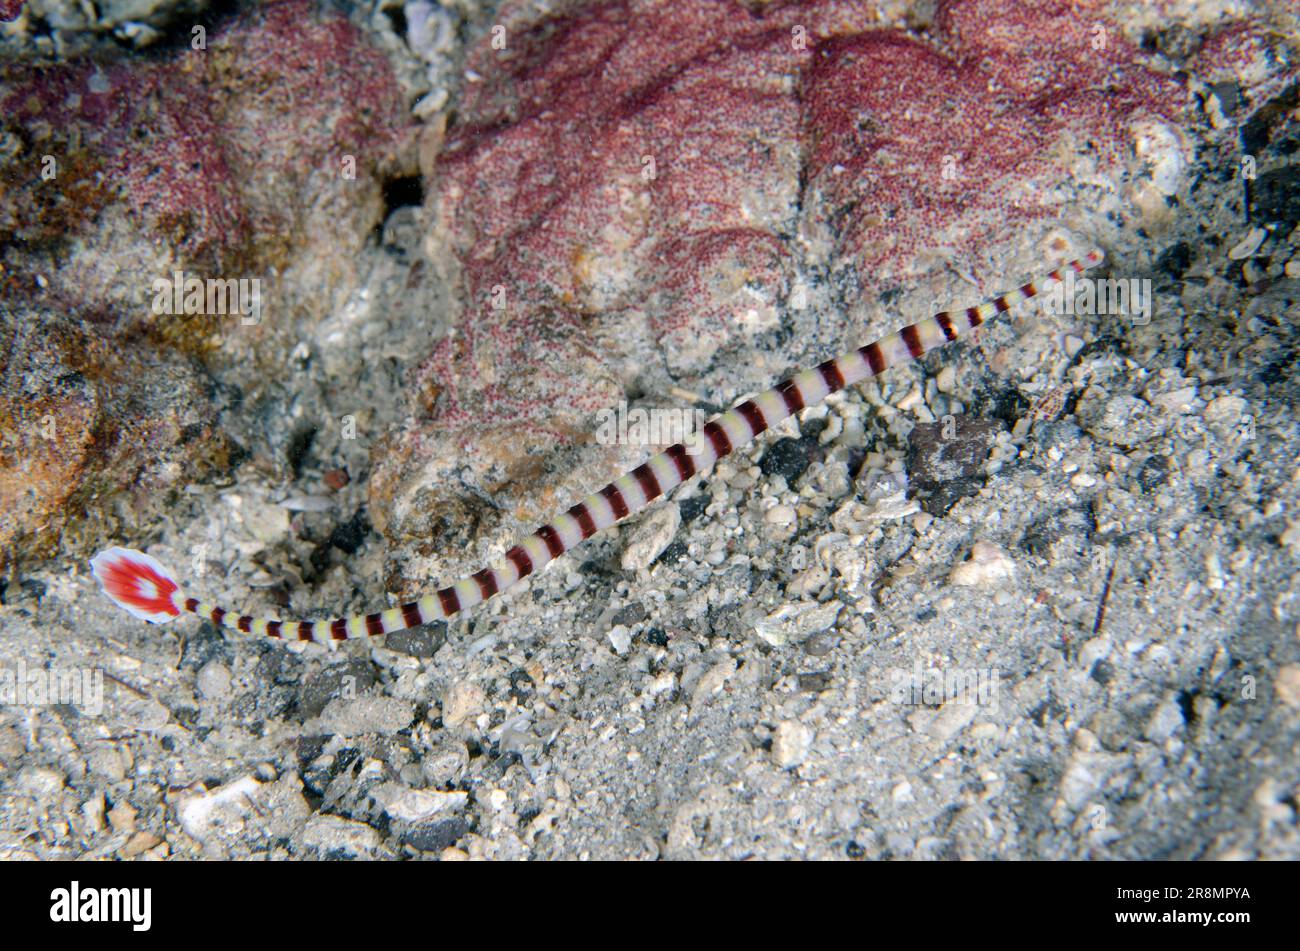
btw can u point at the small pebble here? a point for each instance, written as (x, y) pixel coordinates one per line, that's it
(418, 805)
(1247, 245)
(366, 714)
(1168, 717)
(911, 400)
(779, 515)
(791, 743)
(1288, 685)
(987, 564)
(785, 457)
(335, 836)
(39, 782)
(620, 638)
(307, 503)
(651, 537)
(337, 478)
(122, 817)
(138, 844)
(463, 701)
(213, 680)
(796, 622)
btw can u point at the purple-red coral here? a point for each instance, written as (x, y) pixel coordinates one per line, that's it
(9, 9)
(209, 147)
(602, 145)
(938, 142)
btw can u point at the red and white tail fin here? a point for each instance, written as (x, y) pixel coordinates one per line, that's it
(138, 583)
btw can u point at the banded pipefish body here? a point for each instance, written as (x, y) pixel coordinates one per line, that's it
(143, 586)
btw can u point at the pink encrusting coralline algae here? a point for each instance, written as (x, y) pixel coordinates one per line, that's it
(211, 148)
(606, 139)
(222, 158)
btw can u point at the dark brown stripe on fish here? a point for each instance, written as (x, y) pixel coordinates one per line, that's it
(521, 560)
(753, 415)
(616, 501)
(649, 484)
(450, 601)
(721, 444)
(682, 460)
(789, 391)
(487, 582)
(584, 519)
(832, 375)
(875, 357)
(551, 537)
(912, 337)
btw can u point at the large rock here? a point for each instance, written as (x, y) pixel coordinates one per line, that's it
(257, 155)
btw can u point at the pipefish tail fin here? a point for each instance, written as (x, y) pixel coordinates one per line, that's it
(138, 583)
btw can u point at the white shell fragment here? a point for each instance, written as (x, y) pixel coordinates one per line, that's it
(987, 564)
